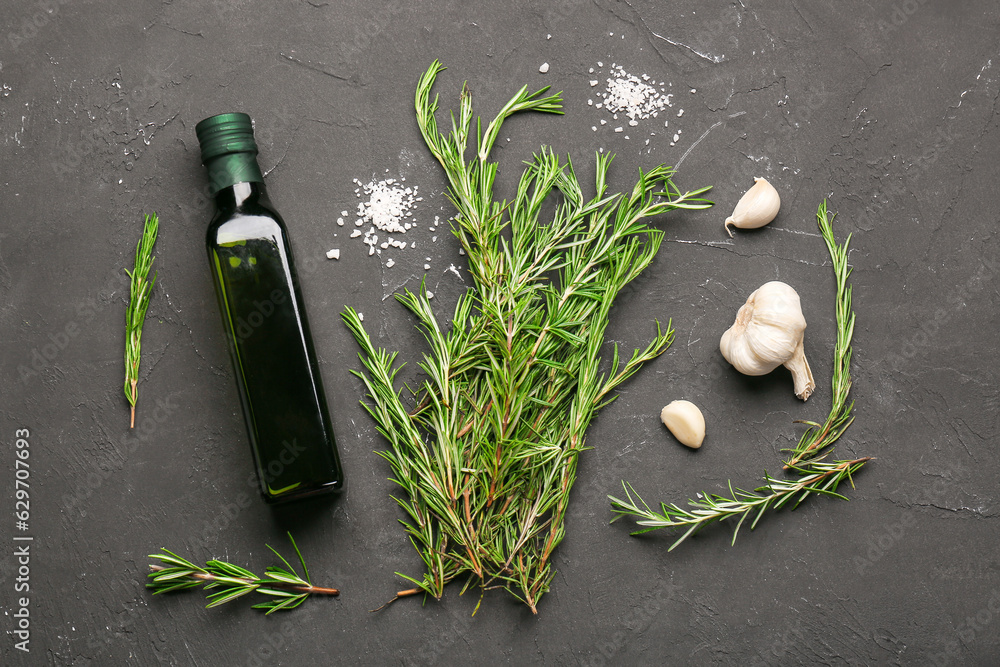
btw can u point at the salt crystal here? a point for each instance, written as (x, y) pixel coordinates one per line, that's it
(344, 213)
(361, 317)
(677, 137)
(544, 68)
(548, 36)
(390, 264)
(694, 90)
(427, 267)
(594, 128)
(333, 254)
(594, 82)
(600, 64)
(619, 129)
(680, 113)
(430, 295)
(356, 233)
(633, 123)
(340, 221)
(604, 122)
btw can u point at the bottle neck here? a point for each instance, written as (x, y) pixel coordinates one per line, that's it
(235, 196)
(230, 169)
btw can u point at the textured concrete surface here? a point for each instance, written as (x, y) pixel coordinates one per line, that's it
(887, 109)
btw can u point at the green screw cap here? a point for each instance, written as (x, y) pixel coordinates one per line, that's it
(225, 133)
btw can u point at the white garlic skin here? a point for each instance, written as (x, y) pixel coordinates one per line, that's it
(756, 208)
(685, 421)
(768, 333)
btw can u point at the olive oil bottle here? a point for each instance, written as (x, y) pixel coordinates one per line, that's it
(280, 389)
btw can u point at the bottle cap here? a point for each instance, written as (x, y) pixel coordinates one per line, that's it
(225, 133)
(228, 150)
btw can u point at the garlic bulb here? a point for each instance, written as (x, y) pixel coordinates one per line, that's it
(685, 421)
(756, 208)
(768, 333)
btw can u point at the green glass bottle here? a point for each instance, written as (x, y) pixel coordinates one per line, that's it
(281, 392)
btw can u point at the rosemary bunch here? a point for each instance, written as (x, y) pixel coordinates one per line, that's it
(487, 456)
(138, 302)
(815, 475)
(285, 588)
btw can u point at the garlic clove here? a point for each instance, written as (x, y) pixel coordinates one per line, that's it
(757, 207)
(685, 421)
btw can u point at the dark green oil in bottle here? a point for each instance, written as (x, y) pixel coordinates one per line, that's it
(280, 388)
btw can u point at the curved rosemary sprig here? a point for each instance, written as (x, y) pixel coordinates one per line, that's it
(818, 437)
(487, 457)
(139, 295)
(286, 588)
(815, 475)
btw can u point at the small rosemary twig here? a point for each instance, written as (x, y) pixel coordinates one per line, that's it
(286, 587)
(815, 476)
(138, 303)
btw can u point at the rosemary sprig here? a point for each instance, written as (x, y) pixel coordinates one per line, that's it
(820, 477)
(139, 297)
(815, 475)
(818, 437)
(285, 587)
(487, 457)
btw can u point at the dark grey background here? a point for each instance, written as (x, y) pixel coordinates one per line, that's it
(887, 109)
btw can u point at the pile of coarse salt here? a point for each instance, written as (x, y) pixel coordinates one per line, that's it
(634, 97)
(388, 208)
